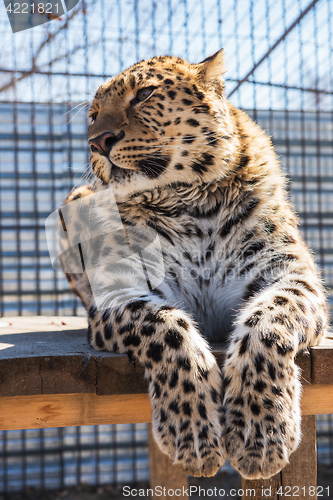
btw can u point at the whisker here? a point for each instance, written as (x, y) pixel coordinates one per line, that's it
(77, 112)
(83, 103)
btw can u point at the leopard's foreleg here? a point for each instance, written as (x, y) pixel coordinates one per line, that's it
(184, 379)
(261, 380)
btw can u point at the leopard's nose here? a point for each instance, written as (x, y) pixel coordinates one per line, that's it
(103, 143)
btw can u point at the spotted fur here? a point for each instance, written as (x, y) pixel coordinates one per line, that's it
(183, 161)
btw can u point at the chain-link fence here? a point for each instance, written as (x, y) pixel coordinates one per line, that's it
(279, 57)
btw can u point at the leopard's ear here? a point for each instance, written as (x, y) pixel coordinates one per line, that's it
(211, 68)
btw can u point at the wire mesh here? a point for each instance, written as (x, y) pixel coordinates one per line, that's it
(50, 459)
(279, 61)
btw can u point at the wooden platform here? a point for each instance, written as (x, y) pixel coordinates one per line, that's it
(50, 377)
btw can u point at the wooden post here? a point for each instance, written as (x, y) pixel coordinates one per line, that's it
(162, 472)
(264, 489)
(301, 472)
(299, 477)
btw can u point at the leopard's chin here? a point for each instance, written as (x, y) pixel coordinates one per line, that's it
(119, 175)
(109, 172)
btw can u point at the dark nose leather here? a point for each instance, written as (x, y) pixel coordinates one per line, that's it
(103, 143)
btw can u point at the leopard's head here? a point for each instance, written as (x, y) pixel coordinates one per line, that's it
(162, 121)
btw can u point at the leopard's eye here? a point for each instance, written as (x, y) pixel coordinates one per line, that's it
(144, 93)
(93, 117)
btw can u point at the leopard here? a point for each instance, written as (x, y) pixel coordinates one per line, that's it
(183, 162)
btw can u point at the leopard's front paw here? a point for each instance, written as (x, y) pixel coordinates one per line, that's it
(188, 421)
(262, 416)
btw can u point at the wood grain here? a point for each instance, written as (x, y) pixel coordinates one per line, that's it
(65, 410)
(317, 400)
(322, 363)
(51, 355)
(301, 473)
(163, 473)
(62, 410)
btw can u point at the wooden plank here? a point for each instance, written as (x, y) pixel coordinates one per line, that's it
(63, 410)
(51, 355)
(116, 375)
(304, 361)
(317, 400)
(48, 375)
(322, 363)
(299, 477)
(163, 474)
(38, 336)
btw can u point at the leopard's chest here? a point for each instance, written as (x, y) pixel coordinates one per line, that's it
(202, 278)
(200, 269)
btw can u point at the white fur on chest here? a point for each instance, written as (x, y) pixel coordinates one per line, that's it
(200, 287)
